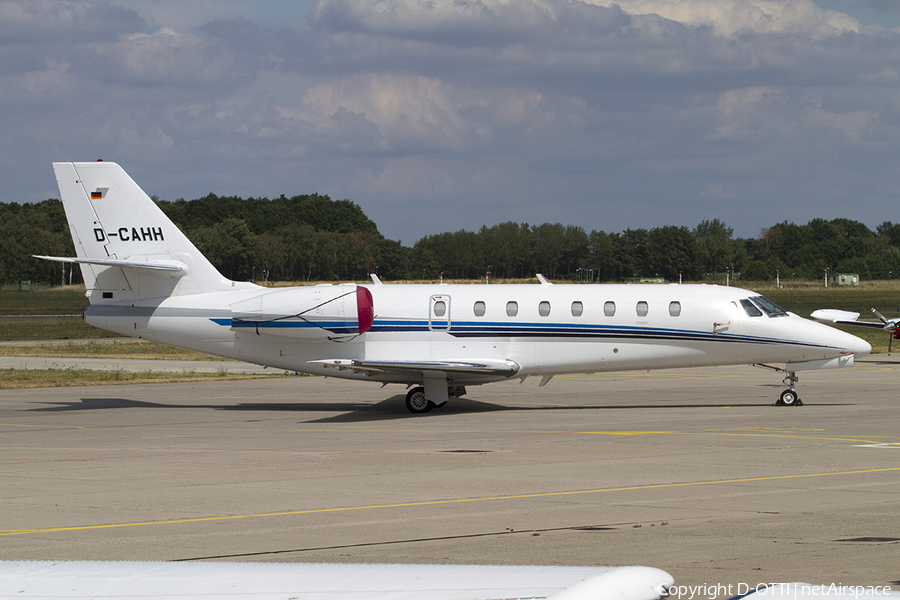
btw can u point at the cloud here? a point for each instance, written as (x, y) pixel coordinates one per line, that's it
(411, 112)
(487, 22)
(449, 114)
(180, 14)
(165, 57)
(59, 21)
(887, 6)
(729, 17)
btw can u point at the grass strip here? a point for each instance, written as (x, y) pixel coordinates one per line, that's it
(119, 348)
(73, 377)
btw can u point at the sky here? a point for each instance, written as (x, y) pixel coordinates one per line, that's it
(441, 115)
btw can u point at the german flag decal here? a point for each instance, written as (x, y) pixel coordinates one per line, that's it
(96, 195)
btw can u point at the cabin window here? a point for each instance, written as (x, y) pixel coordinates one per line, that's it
(544, 308)
(674, 308)
(577, 309)
(609, 308)
(479, 309)
(512, 308)
(440, 308)
(642, 309)
(751, 308)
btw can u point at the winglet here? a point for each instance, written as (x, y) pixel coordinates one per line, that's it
(543, 280)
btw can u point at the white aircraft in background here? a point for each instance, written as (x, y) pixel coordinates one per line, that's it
(309, 581)
(145, 279)
(845, 317)
(46, 580)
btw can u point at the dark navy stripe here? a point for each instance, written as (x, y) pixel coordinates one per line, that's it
(518, 330)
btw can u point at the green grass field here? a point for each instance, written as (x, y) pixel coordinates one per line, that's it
(67, 300)
(103, 348)
(71, 377)
(16, 306)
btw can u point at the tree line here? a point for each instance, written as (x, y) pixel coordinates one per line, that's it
(705, 253)
(315, 238)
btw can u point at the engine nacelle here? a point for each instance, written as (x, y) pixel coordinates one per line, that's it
(319, 312)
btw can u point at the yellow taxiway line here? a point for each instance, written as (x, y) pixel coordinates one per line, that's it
(446, 502)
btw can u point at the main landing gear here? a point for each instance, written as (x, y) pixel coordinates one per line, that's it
(789, 397)
(416, 402)
(417, 399)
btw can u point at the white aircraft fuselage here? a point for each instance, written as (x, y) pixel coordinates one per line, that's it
(145, 279)
(709, 327)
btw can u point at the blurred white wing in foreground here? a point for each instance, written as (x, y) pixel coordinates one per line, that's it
(283, 581)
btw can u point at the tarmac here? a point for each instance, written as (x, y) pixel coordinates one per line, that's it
(693, 471)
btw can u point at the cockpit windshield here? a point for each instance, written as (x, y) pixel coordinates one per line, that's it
(764, 304)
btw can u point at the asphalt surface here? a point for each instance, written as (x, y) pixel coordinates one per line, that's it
(691, 471)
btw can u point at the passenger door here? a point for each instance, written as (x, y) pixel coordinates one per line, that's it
(439, 313)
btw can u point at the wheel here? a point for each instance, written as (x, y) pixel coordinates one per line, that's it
(789, 398)
(416, 402)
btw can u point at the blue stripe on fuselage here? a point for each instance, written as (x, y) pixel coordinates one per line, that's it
(463, 329)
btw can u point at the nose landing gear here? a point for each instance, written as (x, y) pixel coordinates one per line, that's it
(789, 397)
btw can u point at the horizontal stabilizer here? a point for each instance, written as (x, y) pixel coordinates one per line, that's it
(490, 367)
(172, 266)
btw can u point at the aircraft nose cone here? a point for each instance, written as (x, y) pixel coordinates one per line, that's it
(838, 342)
(858, 346)
(849, 343)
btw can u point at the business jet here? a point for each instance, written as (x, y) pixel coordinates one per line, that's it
(270, 581)
(145, 279)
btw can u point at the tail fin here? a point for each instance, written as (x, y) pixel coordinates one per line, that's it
(126, 247)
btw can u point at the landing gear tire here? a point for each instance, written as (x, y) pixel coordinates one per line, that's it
(789, 398)
(416, 402)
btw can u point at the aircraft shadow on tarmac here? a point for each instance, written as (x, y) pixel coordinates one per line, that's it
(388, 409)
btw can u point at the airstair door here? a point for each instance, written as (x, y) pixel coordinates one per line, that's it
(439, 313)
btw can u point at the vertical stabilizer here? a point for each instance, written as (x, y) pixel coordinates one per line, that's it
(127, 248)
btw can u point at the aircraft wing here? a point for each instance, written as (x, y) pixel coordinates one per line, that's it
(844, 317)
(487, 367)
(309, 581)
